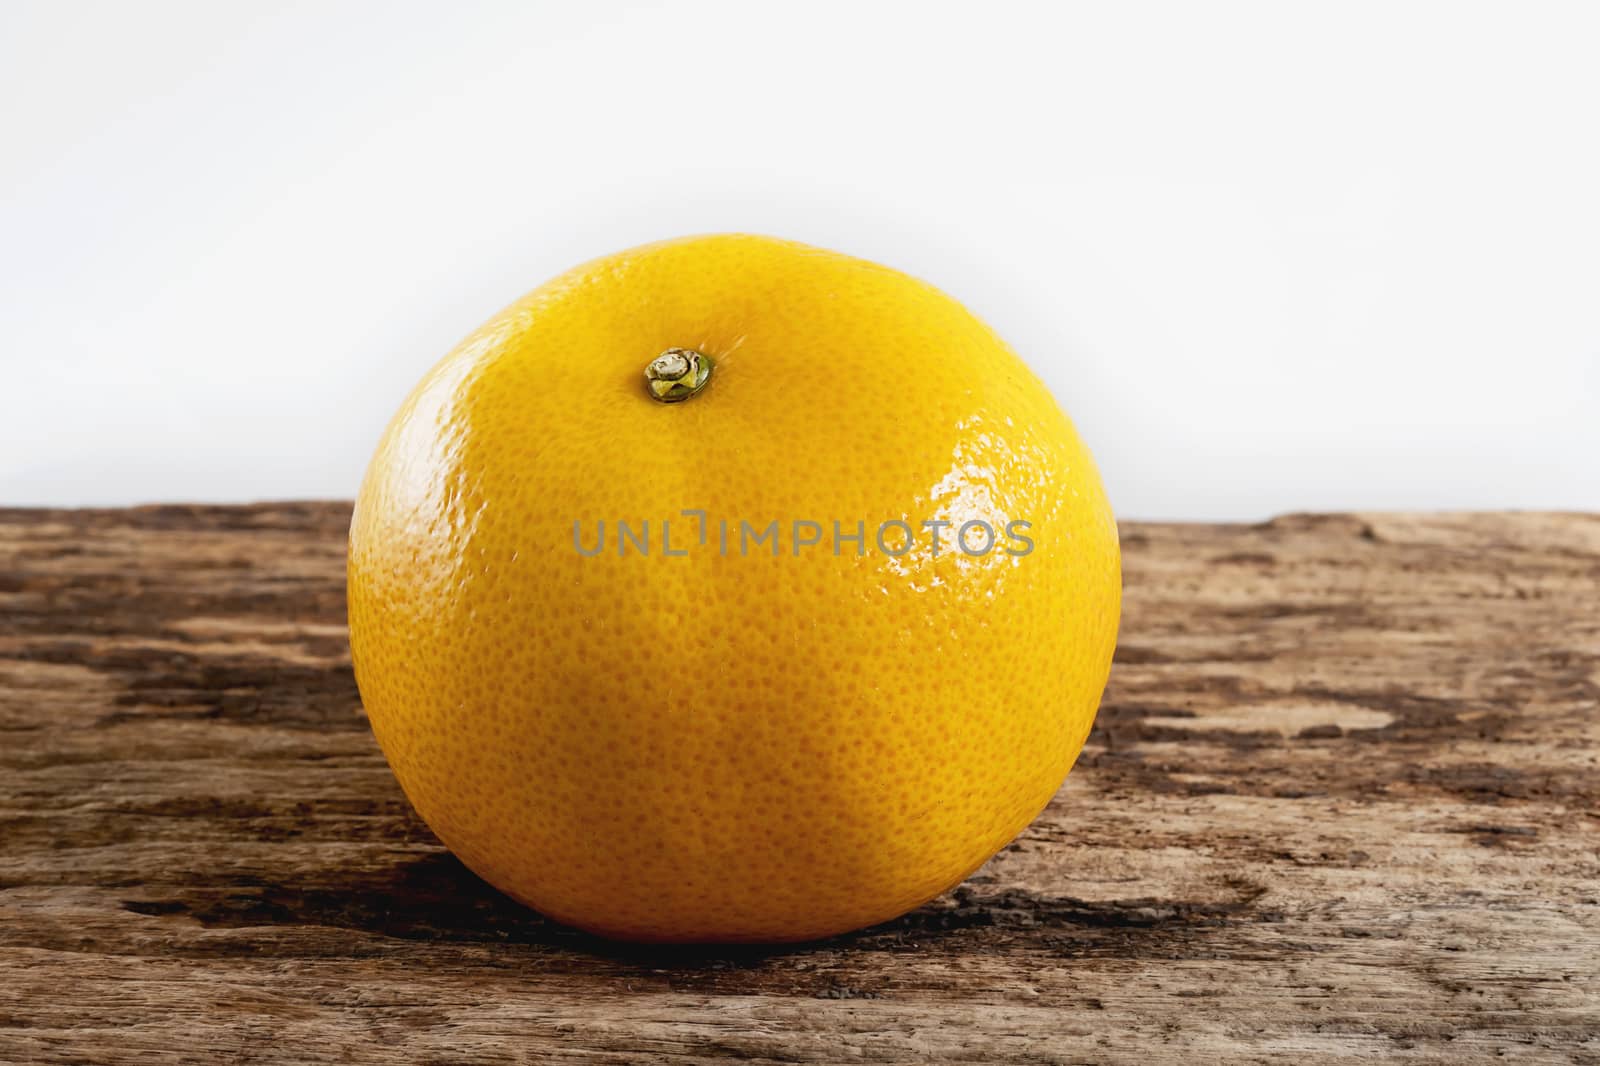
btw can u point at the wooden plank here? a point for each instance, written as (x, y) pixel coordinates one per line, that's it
(1341, 803)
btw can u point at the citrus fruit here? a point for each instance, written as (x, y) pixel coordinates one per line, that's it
(729, 589)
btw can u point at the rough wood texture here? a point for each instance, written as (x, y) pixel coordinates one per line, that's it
(1341, 803)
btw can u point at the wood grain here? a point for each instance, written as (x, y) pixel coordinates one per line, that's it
(1343, 802)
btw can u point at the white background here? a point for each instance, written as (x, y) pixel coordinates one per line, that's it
(1270, 256)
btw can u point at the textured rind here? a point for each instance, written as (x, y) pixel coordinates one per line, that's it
(741, 746)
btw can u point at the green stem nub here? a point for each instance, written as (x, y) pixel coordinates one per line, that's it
(677, 374)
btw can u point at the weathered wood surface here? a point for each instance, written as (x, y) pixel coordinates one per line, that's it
(1343, 801)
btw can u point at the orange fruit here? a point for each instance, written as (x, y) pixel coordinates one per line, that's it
(621, 658)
